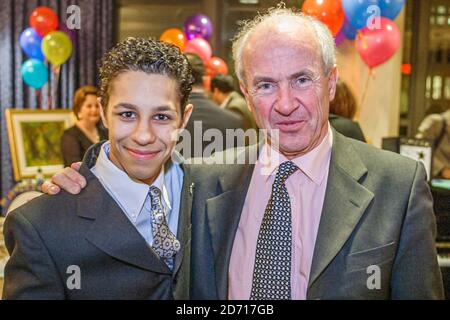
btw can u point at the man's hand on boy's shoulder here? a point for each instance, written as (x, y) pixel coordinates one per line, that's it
(68, 179)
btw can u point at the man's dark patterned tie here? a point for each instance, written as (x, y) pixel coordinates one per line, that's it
(272, 272)
(165, 244)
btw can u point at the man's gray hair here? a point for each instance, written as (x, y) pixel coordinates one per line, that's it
(274, 15)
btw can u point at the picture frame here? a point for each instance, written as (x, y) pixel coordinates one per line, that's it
(34, 138)
(419, 150)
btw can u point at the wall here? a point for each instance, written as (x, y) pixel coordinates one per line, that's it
(379, 113)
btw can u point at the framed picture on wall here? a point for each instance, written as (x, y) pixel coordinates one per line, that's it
(34, 139)
(420, 150)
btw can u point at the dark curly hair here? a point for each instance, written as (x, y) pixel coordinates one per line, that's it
(147, 55)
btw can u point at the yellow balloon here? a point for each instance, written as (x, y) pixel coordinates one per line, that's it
(57, 47)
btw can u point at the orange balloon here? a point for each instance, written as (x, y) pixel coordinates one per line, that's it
(174, 36)
(216, 66)
(329, 12)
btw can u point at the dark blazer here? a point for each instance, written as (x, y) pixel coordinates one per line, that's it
(236, 103)
(211, 117)
(89, 230)
(377, 211)
(74, 144)
(347, 127)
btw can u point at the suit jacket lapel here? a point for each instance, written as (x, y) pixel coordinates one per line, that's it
(223, 214)
(184, 223)
(111, 231)
(345, 202)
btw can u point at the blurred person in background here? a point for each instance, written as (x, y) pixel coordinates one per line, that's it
(87, 129)
(436, 127)
(225, 95)
(206, 112)
(342, 112)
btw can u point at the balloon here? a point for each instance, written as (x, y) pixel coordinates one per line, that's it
(174, 36)
(34, 73)
(327, 11)
(391, 8)
(70, 32)
(30, 42)
(198, 26)
(44, 20)
(340, 37)
(358, 12)
(348, 30)
(216, 66)
(378, 45)
(201, 47)
(57, 47)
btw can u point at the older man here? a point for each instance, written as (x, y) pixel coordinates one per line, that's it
(335, 218)
(318, 216)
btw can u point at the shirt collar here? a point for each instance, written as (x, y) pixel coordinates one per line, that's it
(224, 102)
(313, 164)
(131, 193)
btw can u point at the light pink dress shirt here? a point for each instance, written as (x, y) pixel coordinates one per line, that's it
(306, 189)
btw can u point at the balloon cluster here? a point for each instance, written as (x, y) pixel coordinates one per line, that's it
(194, 38)
(367, 21)
(42, 41)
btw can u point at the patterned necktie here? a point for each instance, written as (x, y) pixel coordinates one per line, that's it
(272, 272)
(165, 244)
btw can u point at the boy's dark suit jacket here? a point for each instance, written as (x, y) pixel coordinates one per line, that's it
(51, 233)
(377, 211)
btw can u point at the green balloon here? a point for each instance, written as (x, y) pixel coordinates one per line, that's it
(57, 47)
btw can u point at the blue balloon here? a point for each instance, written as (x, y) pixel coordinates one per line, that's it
(359, 12)
(348, 30)
(30, 42)
(34, 73)
(391, 8)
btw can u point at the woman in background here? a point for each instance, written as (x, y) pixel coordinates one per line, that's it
(87, 129)
(342, 112)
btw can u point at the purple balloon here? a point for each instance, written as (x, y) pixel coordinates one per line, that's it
(198, 26)
(339, 38)
(30, 42)
(70, 33)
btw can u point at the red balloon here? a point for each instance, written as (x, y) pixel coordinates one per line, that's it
(201, 47)
(378, 45)
(44, 20)
(329, 12)
(216, 66)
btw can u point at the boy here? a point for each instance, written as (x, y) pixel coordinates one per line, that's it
(126, 236)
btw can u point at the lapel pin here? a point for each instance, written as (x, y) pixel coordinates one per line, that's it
(191, 188)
